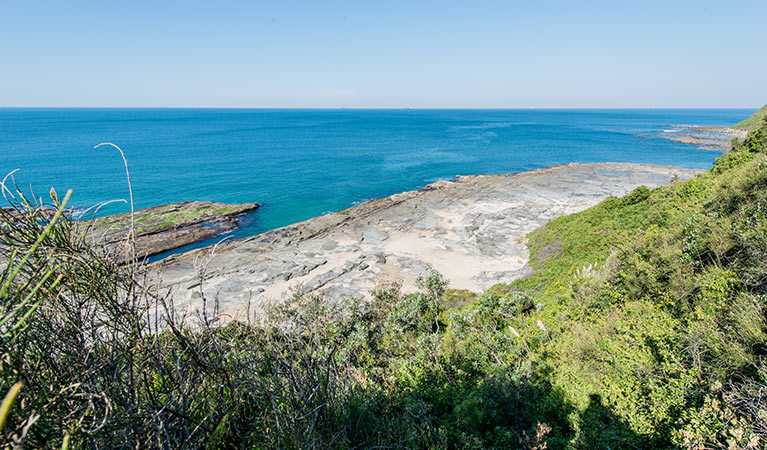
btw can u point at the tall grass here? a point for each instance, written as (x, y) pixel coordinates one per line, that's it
(661, 343)
(92, 358)
(105, 362)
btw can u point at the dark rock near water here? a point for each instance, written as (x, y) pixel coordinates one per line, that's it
(704, 137)
(162, 228)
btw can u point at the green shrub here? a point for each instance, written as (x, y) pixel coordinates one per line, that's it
(643, 325)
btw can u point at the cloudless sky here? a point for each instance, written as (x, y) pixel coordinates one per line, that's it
(389, 54)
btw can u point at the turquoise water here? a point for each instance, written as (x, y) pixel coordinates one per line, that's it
(302, 163)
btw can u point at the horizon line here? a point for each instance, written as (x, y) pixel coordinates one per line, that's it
(527, 108)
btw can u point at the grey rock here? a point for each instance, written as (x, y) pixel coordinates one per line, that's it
(472, 230)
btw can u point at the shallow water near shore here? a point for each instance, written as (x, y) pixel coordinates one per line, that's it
(303, 163)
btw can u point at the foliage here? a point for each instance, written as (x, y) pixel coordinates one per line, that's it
(755, 121)
(643, 325)
(659, 301)
(105, 362)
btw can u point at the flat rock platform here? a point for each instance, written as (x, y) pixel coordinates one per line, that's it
(471, 229)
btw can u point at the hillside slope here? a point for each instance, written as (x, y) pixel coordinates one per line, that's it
(654, 306)
(753, 122)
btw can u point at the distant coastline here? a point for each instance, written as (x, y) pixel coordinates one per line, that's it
(703, 136)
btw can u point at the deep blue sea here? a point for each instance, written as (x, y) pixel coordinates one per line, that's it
(303, 163)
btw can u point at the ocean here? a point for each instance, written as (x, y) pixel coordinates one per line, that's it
(303, 163)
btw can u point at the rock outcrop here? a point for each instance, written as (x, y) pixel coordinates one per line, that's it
(705, 137)
(163, 228)
(471, 229)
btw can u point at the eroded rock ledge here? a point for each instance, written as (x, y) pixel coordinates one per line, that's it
(704, 137)
(471, 229)
(163, 228)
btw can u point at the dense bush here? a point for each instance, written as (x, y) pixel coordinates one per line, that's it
(669, 328)
(643, 325)
(104, 362)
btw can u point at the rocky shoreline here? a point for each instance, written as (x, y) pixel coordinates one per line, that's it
(472, 230)
(704, 137)
(166, 227)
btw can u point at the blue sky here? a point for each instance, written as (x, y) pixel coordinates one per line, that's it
(388, 54)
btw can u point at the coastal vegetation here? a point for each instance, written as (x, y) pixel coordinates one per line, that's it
(643, 325)
(754, 121)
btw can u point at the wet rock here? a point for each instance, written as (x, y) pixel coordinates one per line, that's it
(162, 228)
(704, 137)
